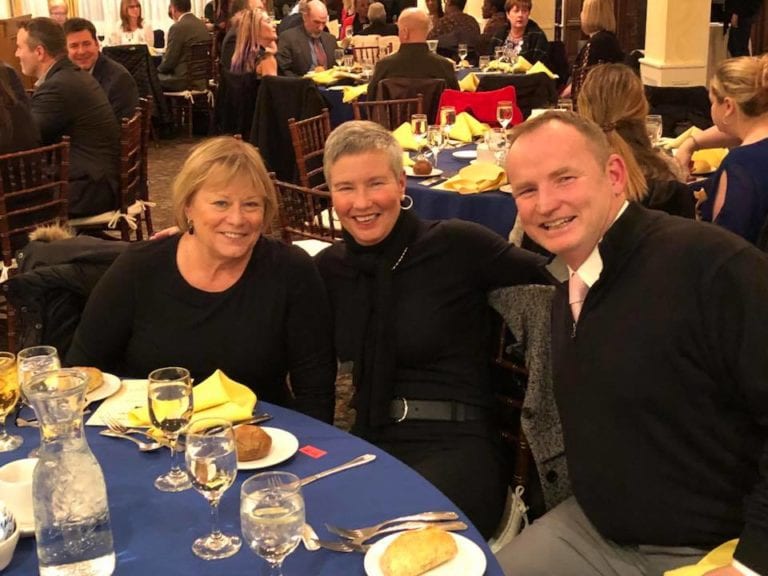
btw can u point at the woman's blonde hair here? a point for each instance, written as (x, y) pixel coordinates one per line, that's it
(613, 97)
(745, 80)
(248, 44)
(221, 161)
(597, 15)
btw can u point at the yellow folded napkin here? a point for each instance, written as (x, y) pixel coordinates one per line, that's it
(708, 160)
(407, 159)
(218, 396)
(477, 177)
(539, 67)
(522, 65)
(719, 557)
(469, 83)
(325, 77)
(671, 143)
(352, 93)
(500, 66)
(467, 127)
(404, 136)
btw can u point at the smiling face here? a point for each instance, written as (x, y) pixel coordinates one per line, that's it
(566, 199)
(227, 219)
(366, 195)
(82, 49)
(518, 15)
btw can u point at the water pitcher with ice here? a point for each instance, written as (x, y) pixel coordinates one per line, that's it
(69, 494)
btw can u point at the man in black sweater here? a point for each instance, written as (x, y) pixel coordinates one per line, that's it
(660, 370)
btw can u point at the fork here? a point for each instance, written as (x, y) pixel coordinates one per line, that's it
(120, 430)
(312, 542)
(365, 533)
(143, 446)
(449, 526)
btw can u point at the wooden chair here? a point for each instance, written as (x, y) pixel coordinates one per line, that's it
(306, 213)
(134, 187)
(200, 65)
(308, 138)
(366, 48)
(389, 113)
(388, 45)
(33, 192)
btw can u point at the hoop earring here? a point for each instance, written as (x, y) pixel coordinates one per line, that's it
(408, 202)
(190, 227)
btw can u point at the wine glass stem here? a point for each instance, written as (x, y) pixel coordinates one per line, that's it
(3, 432)
(276, 569)
(174, 455)
(215, 532)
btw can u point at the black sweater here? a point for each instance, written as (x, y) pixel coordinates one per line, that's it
(663, 390)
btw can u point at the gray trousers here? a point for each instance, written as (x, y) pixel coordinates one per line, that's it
(564, 542)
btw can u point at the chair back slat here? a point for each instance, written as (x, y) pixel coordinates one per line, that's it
(200, 64)
(306, 213)
(308, 138)
(389, 113)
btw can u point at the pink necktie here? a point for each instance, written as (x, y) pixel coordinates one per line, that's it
(320, 58)
(577, 292)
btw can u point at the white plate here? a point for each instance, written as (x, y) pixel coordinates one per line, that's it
(470, 561)
(284, 445)
(335, 88)
(506, 188)
(409, 172)
(465, 154)
(110, 386)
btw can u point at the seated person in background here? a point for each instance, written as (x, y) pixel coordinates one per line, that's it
(236, 8)
(69, 102)
(377, 16)
(409, 299)
(456, 26)
(413, 59)
(522, 36)
(306, 47)
(355, 23)
(256, 45)
(738, 192)
(495, 23)
(132, 28)
(18, 130)
(612, 96)
(58, 11)
(435, 11)
(117, 82)
(219, 295)
(660, 378)
(186, 30)
(294, 17)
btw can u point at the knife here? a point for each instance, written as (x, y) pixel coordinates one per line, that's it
(257, 419)
(359, 461)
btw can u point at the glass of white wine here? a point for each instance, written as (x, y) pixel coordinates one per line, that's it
(653, 125)
(435, 141)
(9, 395)
(338, 55)
(504, 113)
(33, 361)
(272, 516)
(212, 467)
(462, 52)
(419, 128)
(447, 120)
(170, 409)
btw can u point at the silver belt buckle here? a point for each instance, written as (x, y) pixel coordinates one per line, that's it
(405, 409)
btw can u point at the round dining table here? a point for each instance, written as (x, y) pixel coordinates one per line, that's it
(153, 531)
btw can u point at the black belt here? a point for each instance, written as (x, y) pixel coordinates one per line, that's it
(401, 409)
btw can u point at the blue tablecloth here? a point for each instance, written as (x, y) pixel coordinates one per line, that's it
(337, 109)
(154, 531)
(494, 210)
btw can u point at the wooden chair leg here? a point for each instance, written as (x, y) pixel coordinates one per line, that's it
(190, 112)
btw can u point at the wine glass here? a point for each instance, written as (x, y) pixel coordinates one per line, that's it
(483, 62)
(338, 55)
(212, 467)
(33, 361)
(653, 125)
(419, 128)
(272, 516)
(170, 408)
(447, 120)
(504, 112)
(462, 52)
(432, 45)
(9, 395)
(435, 139)
(497, 143)
(498, 53)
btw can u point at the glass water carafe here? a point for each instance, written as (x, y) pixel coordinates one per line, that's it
(72, 525)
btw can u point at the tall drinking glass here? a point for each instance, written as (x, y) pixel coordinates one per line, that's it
(432, 45)
(33, 361)
(498, 53)
(212, 466)
(447, 119)
(9, 395)
(338, 55)
(419, 128)
(653, 125)
(272, 516)
(435, 139)
(504, 113)
(170, 409)
(462, 52)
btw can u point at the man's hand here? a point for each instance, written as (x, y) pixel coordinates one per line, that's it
(724, 571)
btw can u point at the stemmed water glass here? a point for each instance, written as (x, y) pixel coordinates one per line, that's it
(504, 113)
(338, 55)
(419, 128)
(435, 139)
(212, 467)
(432, 45)
(447, 119)
(653, 125)
(33, 361)
(462, 52)
(9, 395)
(170, 408)
(272, 516)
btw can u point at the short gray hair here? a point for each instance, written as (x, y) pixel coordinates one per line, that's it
(377, 12)
(360, 137)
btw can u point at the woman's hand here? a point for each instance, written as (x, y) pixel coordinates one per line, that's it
(165, 233)
(684, 155)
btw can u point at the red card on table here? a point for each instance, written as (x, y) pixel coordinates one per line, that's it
(312, 451)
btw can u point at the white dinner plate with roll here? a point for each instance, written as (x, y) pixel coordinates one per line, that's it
(109, 387)
(284, 445)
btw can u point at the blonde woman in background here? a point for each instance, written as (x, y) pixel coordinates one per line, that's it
(132, 28)
(612, 96)
(256, 45)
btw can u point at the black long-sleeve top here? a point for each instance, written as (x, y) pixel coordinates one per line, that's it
(273, 321)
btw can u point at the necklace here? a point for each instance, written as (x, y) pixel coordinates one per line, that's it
(396, 264)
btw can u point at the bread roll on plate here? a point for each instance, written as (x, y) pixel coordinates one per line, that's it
(95, 378)
(418, 551)
(251, 443)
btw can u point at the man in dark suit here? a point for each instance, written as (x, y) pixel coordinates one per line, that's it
(413, 59)
(117, 82)
(304, 48)
(68, 101)
(187, 30)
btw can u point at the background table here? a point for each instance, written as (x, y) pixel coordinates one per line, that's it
(494, 210)
(153, 531)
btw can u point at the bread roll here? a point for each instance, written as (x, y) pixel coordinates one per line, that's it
(422, 167)
(252, 443)
(418, 551)
(95, 378)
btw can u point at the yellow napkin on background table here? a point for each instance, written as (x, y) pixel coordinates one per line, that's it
(477, 177)
(469, 83)
(404, 136)
(218, 396)
(467, 127)
(352, 93)
(407, 159)
(719, 557)
(325, 77)
(708, 160)
(500, 66)
(539, 67)
(522, 65)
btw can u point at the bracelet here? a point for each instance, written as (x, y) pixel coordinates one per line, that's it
(695, 143)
